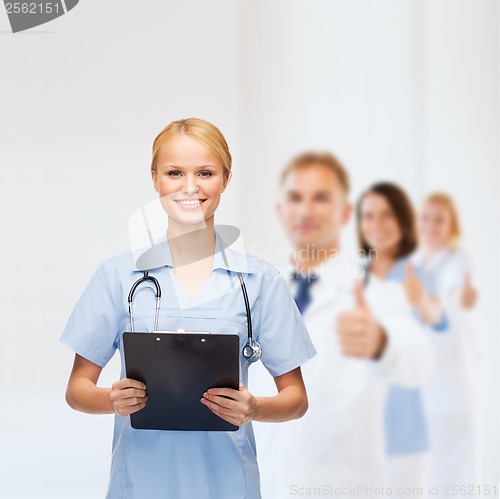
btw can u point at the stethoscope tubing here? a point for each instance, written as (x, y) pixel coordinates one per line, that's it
(154, 280)
(253, 346)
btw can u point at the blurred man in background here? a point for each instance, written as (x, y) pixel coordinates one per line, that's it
(365, 336)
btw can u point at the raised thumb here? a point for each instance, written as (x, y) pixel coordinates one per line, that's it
(409, 270)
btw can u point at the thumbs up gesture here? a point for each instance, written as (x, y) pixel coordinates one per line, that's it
(359, 333)
(414, 288)
(469, 293)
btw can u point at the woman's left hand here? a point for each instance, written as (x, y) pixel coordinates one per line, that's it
(240, 408)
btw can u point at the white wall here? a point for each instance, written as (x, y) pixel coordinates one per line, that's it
(400, 90)
(81, 101)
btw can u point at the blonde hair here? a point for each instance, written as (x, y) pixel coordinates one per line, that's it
(200, 129)
(447, 201)
(310, 158)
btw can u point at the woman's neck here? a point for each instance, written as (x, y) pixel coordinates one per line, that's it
(191, 243)
(429, 252)
(382, 263)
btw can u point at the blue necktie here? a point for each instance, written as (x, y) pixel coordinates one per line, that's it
(303, 295)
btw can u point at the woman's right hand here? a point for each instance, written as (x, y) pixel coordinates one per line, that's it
(415, 292)
(128, 396)
(469, 293)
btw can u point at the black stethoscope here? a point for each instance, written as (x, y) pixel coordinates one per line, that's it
(252, 351)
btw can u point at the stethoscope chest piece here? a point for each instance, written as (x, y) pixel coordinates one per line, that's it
(252, 351)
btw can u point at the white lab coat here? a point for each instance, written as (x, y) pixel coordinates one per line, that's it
(451, 397)
(340, 440)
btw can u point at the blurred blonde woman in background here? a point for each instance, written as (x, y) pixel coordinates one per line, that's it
(450, 398)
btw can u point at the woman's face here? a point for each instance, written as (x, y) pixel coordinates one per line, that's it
(378, 224)
(189, 179)
(434, 225)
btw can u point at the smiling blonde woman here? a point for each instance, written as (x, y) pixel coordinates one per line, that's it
(190, 170)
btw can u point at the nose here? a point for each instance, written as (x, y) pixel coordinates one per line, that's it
(190, 186)
(305, 208)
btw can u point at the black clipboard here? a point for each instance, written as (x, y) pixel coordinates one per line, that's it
(177, 368)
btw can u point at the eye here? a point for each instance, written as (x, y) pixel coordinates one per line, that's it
(206, 173)
(173, 173)
(293, 197)
(322, 198)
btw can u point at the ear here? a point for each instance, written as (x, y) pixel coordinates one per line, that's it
(279, 210)
(154, 178)
(225, 181)
(346, 213)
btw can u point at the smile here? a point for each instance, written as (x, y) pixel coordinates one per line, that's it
(189, 203)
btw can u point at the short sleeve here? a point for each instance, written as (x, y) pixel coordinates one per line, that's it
(282, 334)
(453, 275)
(92, 328)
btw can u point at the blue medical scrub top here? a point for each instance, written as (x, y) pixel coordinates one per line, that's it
(150, 464)
(405, 424)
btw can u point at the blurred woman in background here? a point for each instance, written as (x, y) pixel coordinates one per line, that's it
(451, 398)
(387, 232)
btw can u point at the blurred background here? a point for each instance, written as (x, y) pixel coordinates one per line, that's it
(399, 90)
